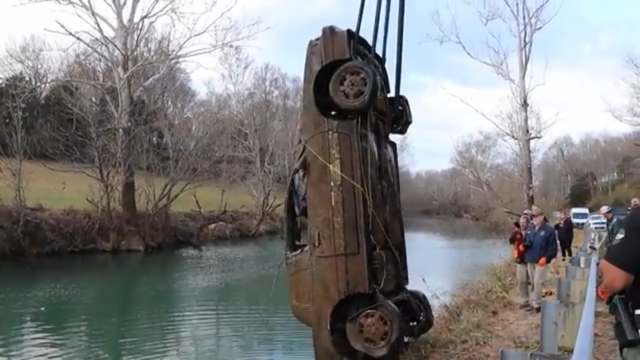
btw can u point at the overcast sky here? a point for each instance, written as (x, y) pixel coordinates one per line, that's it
(579, 57)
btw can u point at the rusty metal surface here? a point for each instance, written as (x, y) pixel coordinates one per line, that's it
(348, 276)
(373, 330)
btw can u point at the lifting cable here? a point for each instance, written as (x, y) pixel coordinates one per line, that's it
(399, 45)
(376, 26)
(385, 34)
(398, 74)
(360, 16)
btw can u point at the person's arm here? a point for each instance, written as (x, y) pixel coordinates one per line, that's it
(620, 265)
(513, 239)
(615, 228)
(552, 246)
(568, 224)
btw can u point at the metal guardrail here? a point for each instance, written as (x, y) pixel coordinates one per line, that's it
(567, 322)
(583, 349)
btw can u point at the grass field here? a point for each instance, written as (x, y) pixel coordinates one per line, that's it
(67, 187)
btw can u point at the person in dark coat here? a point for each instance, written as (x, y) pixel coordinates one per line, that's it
(564, 229)
(540, 248)
(620, 270)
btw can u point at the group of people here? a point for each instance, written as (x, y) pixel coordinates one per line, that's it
(535, 245)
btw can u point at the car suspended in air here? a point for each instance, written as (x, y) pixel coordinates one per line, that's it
(348, 276)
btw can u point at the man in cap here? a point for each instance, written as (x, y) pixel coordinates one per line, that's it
(536, 208)
(620, 270)
(541, 247)
(613, 225)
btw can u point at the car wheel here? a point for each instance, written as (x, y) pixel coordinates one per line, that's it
(354, 87)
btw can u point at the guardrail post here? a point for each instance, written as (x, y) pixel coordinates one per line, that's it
(571, 294)
(577, 273)
(568, 322)
(509, 354)
(581, 260)
(549, 326)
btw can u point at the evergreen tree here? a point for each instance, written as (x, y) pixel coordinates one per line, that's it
(580, 191)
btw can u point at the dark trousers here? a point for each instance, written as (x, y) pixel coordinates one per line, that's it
(565, 248)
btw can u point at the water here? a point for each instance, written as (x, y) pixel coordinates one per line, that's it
(221, 303)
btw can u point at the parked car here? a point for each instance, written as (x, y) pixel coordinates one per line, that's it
(579, 216)
(597, 222)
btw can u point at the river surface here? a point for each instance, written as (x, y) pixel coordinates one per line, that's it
(225, 302)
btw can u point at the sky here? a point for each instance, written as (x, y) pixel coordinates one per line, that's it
(578, 59)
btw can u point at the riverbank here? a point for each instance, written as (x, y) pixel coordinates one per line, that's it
(66, 213)
(495, 222)
(495, 219)
(483, 317)
(40, 231)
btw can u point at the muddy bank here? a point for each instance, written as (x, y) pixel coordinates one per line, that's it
(39, 231)
(491, 218)
(483, 317)
(480, 319)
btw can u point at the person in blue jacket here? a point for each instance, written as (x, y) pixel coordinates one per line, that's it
(541, 247)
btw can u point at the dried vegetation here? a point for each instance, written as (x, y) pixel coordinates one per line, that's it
(483, 317)
(38, 231)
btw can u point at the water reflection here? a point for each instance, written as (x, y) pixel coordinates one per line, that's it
(222, 303)
(441, 264)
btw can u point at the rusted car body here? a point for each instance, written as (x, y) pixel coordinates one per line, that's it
(348, 275)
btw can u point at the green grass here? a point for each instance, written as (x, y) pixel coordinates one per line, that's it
(67, 187)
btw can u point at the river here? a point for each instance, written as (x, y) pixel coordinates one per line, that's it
(224, 302)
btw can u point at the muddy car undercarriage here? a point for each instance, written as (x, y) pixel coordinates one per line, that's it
(348, 276)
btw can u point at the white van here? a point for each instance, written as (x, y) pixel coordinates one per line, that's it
(579, 216)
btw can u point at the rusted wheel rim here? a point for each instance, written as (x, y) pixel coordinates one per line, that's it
(372, 329)
(354, 85)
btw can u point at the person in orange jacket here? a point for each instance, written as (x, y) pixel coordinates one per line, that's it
(517, 240)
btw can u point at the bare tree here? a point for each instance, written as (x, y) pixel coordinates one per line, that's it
(519, 122)
(405, 157)
(114, 31)
(259, 113)
(27, 68)
(630, 112)
(286, 129)
(445, 192)
(16, 111)
(478, 158)
(31, 57)
(179, 159)
(85, 141)
(484, 180)
(556, 169)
